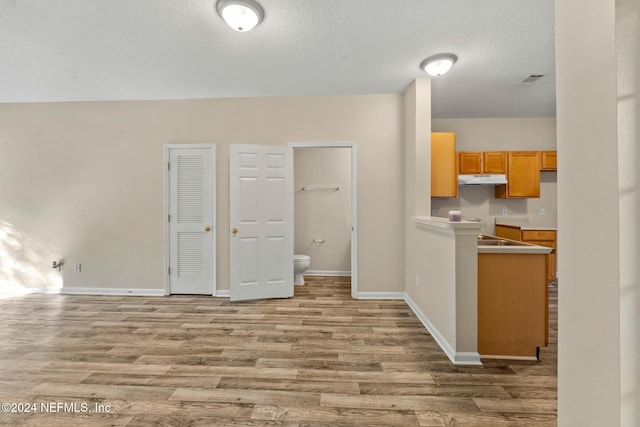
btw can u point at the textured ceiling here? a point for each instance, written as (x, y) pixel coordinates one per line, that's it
(73, 50)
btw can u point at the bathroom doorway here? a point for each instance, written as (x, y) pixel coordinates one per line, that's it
(331, 237)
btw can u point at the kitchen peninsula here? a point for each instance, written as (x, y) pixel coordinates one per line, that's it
(513, 298)
(478, 297)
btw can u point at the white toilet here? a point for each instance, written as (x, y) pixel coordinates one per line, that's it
(300, 265)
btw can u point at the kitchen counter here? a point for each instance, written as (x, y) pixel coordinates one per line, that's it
(507, 246)
(444, 223)
(522, 224)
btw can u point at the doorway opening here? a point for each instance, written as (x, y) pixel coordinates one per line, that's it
(326, 241)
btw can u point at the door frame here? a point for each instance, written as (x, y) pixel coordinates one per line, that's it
(354, 199)
(167, 250)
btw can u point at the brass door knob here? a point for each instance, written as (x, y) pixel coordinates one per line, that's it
(207, 228)
(234, 230)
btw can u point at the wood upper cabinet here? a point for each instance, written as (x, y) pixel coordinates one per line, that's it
(494, 162)
(548, 160)
(477, 162)
(444, 176)
(469, 162)
(523, 175)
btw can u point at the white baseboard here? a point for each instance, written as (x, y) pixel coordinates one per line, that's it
(25, 291)
(113, 291)
(467, 358)
(380, 295)
(489, 356)
(457, 358)
(223, 293)
(326, 273)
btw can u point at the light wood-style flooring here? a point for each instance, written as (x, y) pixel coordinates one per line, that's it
(318, 359)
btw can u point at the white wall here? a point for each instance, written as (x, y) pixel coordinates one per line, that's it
(502, 134)
(589, 301)
(323, 214)
(86, 178)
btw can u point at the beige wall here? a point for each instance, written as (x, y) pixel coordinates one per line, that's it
(589, 375)
(87, 178)
(323, 214)
(628, 81)
(417, 172)
(441, 276)
(538, 133)
(433, 280)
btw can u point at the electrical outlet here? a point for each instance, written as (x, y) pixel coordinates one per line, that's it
(78, 268)
(417, 280)
(505, 212)
(541, 211)
(433, 212)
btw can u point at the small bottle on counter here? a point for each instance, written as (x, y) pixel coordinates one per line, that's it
(455, 216)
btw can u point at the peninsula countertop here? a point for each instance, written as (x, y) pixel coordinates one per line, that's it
(522, 224)
(499, 245)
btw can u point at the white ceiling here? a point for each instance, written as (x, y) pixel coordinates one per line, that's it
(73, 50)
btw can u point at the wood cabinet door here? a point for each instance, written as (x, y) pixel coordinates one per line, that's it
(494, 162)
(470, 162)
(523, 175)
(548, 160)
(444, 176)
(508, 232)
(540, 237)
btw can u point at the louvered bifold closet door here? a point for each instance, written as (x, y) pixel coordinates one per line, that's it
(190, 221)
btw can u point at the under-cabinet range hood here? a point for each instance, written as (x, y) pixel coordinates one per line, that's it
(484, 179)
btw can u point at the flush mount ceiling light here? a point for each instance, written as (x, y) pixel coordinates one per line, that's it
(438, 65)
(241, 15)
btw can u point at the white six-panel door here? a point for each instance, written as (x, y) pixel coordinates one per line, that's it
(261, 220)
(191, 220)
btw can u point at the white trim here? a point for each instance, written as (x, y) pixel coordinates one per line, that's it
(113, 291)
(490, 356)
(354, 200)
(223, 293)
(326, 273)
(381, 295)
(457, 358)
(24, 291)
(214, 225)
(467, 358)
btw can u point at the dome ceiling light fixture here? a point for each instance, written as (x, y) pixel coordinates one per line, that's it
(241, 15)
(439, 64)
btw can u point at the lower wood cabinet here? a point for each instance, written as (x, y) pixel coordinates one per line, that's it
(513, 304)
(547, 238)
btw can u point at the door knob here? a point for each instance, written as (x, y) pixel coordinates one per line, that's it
(234, 230)
(207, 228)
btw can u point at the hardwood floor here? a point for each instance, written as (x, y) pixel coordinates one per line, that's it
(318, 359)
